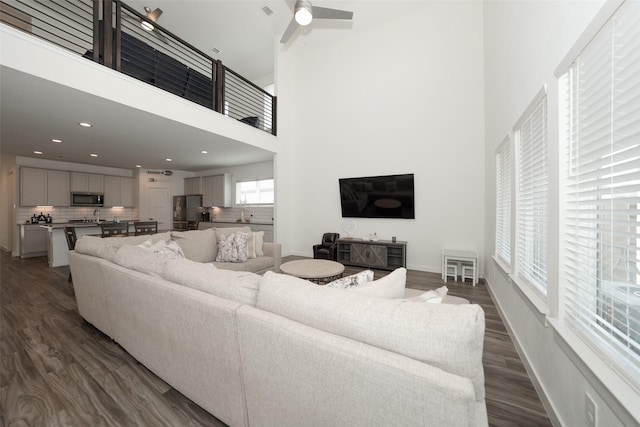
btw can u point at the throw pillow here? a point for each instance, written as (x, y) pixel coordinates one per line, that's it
(172, 249)
(148, 245)
(390, 286)
(259, 238)
(434, 296)
(357, 279)
(232, 247)
(251, 245)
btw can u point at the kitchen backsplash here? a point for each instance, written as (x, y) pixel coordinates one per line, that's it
(66, 214)
(261, 214)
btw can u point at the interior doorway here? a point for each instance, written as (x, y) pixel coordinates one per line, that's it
(160, 207)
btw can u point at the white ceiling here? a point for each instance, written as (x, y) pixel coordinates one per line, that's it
(246, 37)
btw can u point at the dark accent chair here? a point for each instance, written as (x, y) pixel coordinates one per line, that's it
(115, 229)
(328, 249)
(70, 234)
(145, 227)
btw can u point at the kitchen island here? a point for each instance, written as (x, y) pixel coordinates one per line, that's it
(57, 247)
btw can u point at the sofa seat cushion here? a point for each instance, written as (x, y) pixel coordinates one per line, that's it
(239, 286)
(254, 264)
(449, 337)
(197, 245)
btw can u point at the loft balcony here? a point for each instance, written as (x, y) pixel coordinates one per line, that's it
(110, 33)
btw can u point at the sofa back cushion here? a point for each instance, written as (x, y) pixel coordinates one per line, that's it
(447, 336)
(239, 286)
(142, 260)
(107, 247)
(197, 245)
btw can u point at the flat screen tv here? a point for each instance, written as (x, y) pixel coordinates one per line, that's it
(389, 196)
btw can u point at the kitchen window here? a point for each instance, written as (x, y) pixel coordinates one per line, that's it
(258, 192)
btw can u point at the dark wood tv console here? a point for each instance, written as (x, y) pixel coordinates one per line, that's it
(380, 254)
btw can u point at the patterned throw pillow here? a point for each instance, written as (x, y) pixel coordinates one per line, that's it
(232, 247)
(173, 248)
(353, 280)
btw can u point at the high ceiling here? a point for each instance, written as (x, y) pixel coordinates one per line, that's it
(246, 38)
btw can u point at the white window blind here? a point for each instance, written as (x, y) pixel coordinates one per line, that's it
(532, 195)
(600, 113)
(503, 202)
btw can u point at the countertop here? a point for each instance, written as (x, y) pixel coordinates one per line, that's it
(243, 223)
(57, 225)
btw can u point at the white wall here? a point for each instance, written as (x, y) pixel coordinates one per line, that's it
(403, 97)
(524, 43)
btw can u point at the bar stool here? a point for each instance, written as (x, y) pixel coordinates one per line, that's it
(451, 270)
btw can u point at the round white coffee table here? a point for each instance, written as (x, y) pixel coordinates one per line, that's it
(315, 270)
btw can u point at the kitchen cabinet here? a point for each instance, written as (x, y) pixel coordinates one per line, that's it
(216, 191)
(193, 185)
(42, 187)
(87, 182)
(118, 191)
(33, 240)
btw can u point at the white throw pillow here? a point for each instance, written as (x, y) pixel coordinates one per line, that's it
(172, 249)
(357, 279)
(390, 286)
(251, 245)
(434, 296)
(259, 240)
(148, 245)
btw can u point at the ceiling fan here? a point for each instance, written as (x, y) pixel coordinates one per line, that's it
(304, 13)
(152, 16)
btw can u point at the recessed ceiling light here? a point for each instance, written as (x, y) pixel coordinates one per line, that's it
(57, 141)
(85, 124)
(93, 155)
(169, 160)
(138, 166)
(37, 152)
(204, 152)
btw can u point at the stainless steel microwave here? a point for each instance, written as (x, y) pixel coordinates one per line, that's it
(87, 199)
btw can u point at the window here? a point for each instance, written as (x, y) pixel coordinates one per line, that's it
(600, 137)
(503, 202)
(532, 195)
(258, 192)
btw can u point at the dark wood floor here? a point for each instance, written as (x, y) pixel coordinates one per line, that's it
(56, 369)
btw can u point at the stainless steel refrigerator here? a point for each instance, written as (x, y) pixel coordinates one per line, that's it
(186, 211)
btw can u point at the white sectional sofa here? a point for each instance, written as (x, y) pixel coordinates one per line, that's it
(275, 350)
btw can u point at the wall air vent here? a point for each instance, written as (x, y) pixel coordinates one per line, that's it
(165, 173)
(267, 10)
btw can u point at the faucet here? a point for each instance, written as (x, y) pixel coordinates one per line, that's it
(96, 212)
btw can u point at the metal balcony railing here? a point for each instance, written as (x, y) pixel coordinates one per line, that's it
(109, 32)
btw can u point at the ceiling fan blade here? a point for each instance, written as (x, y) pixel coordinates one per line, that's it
(326, 13)
(161, 36)
(293, 26)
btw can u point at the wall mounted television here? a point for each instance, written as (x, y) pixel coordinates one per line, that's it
(388, 196)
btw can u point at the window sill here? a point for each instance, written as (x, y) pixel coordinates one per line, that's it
(532, 297)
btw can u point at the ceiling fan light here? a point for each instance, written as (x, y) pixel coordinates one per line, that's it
(303, 13)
